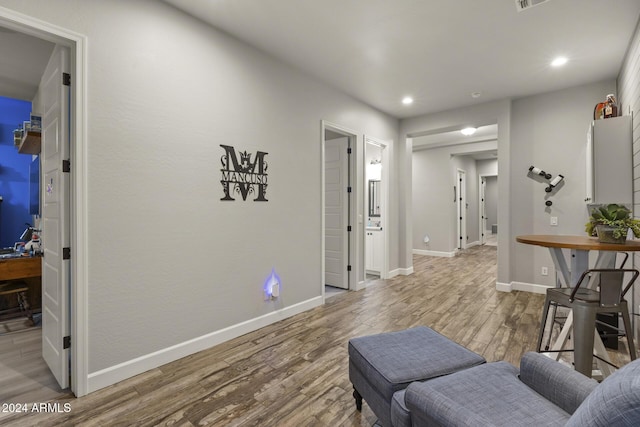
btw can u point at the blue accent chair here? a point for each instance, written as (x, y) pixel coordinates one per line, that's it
(543, 393)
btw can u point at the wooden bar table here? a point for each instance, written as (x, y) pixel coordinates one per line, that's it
(579, 247)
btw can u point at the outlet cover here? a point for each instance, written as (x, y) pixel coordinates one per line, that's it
(544, 271)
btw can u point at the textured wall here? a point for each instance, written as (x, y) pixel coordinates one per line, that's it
(168, 261)
(549, 131)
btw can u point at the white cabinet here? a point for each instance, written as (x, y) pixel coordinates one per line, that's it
(373, 250)
(609, 177)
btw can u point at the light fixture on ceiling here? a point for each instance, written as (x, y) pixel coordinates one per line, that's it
(468, 131)
(407, 100)
(476, 94)
(559, 61)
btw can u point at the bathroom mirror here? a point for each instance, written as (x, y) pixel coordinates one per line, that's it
(374, 197)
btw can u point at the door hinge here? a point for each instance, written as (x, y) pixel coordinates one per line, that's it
(348, 268)
(66, 79)
(66, 253)
(349, 150)
(348, 228)
(348, 189)
(66, 166)
(66, 342)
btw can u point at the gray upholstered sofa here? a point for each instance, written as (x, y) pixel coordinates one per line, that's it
(542, 393)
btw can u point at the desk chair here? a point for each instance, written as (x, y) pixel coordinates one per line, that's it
(19, 289)
(585, 304)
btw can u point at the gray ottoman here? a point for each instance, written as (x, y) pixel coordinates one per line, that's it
(380, 365)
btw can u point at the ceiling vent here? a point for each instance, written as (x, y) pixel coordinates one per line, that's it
(527, 4)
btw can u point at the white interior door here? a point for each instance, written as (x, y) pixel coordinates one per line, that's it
(336, 213)
(461, 211)
(55, 215)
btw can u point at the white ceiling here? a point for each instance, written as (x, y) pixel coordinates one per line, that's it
(488, 133)
(439, 52)
(22, 62)
(378, 51)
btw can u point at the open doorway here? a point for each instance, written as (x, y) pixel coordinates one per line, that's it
(376, 203)
(337, 206)
(445, 172)
(488, 212)
(46, 142)
(60, 97)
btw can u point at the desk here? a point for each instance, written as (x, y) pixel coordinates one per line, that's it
(569, 275)
(28, 269)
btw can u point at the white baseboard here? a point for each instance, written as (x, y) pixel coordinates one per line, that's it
(522, 286)
(130, 368)
(435, 253)
(361, 285)
(472, 244)
(503, 287)
(400, 272)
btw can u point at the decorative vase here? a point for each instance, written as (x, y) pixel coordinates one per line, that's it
(605, 234)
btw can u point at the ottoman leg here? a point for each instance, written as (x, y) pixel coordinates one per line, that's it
(358, 398)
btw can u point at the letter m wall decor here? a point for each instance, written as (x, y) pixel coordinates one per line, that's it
(243, 177)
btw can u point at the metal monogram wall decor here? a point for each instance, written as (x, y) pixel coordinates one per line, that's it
(243, 177)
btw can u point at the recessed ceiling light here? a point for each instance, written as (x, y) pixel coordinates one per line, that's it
(476, 94)
(468, 131)
(559, 61)
(407, 100)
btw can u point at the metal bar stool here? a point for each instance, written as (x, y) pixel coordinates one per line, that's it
(560, 320)
(585, 304)
(19, 289)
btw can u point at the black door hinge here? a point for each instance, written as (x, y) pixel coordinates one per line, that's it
(348, 189)
(66, 342)
(348, 228)
(349, 150)
(66, 253)
(66, 166)
(66, 79)
(348, 268)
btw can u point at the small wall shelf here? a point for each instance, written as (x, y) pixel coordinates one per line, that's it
(30, 143)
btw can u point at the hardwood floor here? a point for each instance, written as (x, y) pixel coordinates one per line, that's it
(295, 372)
(23, 372)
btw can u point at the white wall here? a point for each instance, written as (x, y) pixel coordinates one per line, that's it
(434, 174)
(168, 261)
(487, 167)
(549, 131)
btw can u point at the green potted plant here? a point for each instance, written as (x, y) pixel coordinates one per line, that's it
(611, 223)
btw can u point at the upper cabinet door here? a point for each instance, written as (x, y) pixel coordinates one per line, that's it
(610, 162)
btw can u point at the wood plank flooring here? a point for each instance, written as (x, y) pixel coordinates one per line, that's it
(295, 372)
